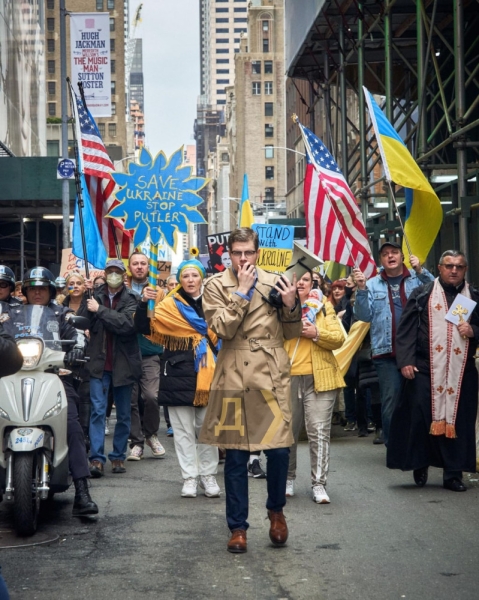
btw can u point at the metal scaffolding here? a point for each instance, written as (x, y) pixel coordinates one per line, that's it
(421, 57)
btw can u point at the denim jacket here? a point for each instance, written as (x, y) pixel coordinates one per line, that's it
(372, 306)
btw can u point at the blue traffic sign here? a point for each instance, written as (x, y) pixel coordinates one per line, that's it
(66, 168)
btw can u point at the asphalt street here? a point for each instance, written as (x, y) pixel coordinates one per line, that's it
(380, 538)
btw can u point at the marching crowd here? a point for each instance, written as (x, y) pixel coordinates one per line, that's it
(239, 370)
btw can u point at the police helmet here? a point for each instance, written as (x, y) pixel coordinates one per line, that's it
(60, 283)
(39, 276)
(6, 274)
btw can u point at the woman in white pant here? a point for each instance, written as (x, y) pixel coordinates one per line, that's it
(187, 367)
(315, 380)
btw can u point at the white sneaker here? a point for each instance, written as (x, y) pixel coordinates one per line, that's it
(189, 488)
(156, 448)
(107, 426)
(319, 494)
(289, 488)
(136, 453)
(208, 483)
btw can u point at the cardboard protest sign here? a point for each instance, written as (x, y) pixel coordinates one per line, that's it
(164, 271)
(276, 245)
(71, 263)
(218, 251)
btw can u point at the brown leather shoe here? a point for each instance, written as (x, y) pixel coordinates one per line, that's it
(237, 543)
(96, 469)
(278, 530)
(118, 466)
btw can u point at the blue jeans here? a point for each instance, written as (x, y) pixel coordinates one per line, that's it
(390, 380)
(99, 400)
(236, 484)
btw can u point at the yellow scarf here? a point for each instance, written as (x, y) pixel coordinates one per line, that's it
(170, 329)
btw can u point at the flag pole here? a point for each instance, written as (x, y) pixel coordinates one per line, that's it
(110, 222)
(399, 218)
(78, 187)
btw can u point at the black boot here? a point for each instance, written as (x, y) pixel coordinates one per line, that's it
(83, 504)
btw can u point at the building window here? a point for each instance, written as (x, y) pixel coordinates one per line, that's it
(237, 41)
(224, 81)
(221, 102)
(221, 91)
(256, 88)
(101, 129)
(221, 10)
(240, 9)
(113, 108)
(51, 45)
(113, 87)
(222, 71)
(222, 50)
(112, 129)
(222, 30)
(53, 148)
(268, 109)
(269, 172)
(265, 25)
(265, 45)
(268, 88)
(269, 195)
(222, 61)
(51, 88)
(225, 157)
(268, 66)
(51, 67)
(256, 67)
(269, 152)
(268, 130)
(240, 20)
(50, 24)
(99, 4)
(113, 66)
(112, 24)
(241, 30)
(112, 44)
(52, 109)
(50, 4)
(222, 20)
(110, 4)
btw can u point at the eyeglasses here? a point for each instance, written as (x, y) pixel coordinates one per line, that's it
(450, 267)
(247, 253)
(4, 284)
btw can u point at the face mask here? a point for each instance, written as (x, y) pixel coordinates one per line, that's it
(114, 280)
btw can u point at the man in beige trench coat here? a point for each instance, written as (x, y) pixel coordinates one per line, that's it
(249, 407)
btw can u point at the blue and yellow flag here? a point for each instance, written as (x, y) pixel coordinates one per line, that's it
(423, 208)
(246, 217)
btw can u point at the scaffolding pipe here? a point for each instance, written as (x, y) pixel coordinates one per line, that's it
(460, 110)
(342, 89)
(362, 120)
(389, 87)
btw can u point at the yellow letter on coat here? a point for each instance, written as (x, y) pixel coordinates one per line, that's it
(278, 416)
(224, 412)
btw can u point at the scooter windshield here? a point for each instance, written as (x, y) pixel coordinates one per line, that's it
(35, 321)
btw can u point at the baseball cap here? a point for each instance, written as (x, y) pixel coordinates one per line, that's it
(393, 244)
(115, 262)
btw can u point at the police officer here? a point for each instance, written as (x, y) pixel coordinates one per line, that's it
(39, 289)
(7, 286)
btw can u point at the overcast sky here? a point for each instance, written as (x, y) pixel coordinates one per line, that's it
(171, 67)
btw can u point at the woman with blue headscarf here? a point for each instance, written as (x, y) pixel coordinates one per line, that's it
(187, 367)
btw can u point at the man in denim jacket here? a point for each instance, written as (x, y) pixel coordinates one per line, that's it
(380, 301)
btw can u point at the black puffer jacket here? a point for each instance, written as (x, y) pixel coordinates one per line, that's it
(10, 358)
(119, 322)
(177, 375)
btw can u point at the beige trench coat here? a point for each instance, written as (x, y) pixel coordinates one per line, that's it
(250, 405)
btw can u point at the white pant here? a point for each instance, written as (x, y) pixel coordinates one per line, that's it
(195, 459)
(316, 410)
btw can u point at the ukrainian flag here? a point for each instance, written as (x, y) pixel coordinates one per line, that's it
(246, 218)
(423, 208)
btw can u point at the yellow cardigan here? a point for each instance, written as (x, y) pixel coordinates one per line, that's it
(326, 372)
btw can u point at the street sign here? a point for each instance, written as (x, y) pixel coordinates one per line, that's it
(66, 168)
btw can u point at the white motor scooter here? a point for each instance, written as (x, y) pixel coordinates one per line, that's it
(33, 420)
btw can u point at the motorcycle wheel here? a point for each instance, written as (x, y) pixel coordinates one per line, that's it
(26, 481)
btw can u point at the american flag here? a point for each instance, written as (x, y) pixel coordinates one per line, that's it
(97, 166)
(334, 225)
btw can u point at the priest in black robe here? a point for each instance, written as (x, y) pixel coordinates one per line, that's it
(419, 439)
